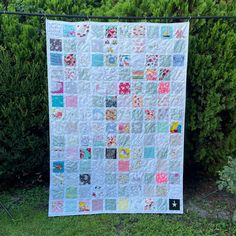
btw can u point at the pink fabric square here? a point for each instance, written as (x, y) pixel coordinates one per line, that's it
(161, 178)
(123, 166)
(72, 152)
(57, 206)
(164, 87)
(97, 205)
(123, 128)
(71, 101)
(57, 87)
(124, 88)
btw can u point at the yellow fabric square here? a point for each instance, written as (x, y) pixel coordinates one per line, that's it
(123, 204)
(124, 153)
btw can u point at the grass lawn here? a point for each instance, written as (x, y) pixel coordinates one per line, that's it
(29, 209)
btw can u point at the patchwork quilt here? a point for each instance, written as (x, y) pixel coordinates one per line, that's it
(117, 106)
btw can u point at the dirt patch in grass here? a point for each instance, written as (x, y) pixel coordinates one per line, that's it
(203, 198)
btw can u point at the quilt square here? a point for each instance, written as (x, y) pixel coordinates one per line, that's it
(69, 30)
(97, 205)
(110, 204)
(57, 101)
(110, 153)
(56, 45)
(111, 31)
(58, 167)
(123, 204)
(174, 204)
(123, 166)
(111, 60)
(149, 152)
(97, 59)
(56, 59)
(178, 60)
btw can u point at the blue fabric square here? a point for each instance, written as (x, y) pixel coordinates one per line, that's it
(58, 167)
(111, 128)
(98, 153)
(70, 206)
(69, 31)
(57, 101)
(166, 32)
(178, 60)
(56, 59)
(97, 60)
(149, 152)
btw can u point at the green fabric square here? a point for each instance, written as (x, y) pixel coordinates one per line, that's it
(69, 45)
(85, 166)
(175, 165)
(165, 60)
(110, 178)
(161, 204)
(137, 127)
(162, 153)
(150, 128)
(98, 101)
(98, 153)
(151, 88)
(123, 191)
(71, 192)
(110, 204)
(137, 114)
(162, 127)
(149, 178)
(179, 46)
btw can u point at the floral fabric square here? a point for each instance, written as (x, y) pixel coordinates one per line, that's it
(85, 153)
(151, 74)
(111, 114)
(69, 45)
(69, 59)
(152, 60)
(56, 45)
(110, 153)
(124, 128)
(137, 101)
(111, 31)
(116, 116)
(111, 101)
(124, 88)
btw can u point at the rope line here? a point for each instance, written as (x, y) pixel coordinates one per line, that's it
(118, 17)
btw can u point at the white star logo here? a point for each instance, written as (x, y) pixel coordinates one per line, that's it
(174, 204)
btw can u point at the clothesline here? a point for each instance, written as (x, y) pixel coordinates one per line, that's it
(119, 17)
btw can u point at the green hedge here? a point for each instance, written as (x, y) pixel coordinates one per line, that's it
(211, 88)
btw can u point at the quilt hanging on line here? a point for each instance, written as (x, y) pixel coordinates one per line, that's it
(117, 106)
